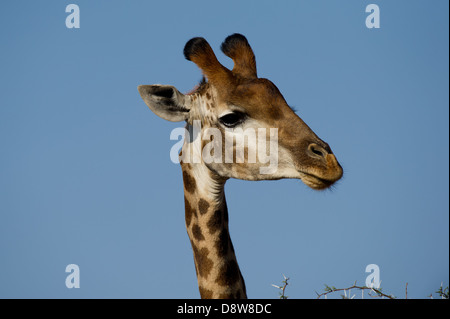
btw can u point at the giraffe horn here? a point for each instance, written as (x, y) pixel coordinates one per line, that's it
(200, 52)
(237, 48)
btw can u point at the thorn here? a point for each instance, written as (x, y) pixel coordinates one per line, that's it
(276, 286)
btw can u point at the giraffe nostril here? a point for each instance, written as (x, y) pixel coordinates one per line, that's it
(317, 151)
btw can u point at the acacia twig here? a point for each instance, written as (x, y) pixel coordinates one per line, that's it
(329, 290)
(283, 287)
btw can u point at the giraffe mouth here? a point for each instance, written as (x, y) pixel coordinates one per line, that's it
(316, 182)
(319, 177)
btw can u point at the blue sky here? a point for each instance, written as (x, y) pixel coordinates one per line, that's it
(85, 172)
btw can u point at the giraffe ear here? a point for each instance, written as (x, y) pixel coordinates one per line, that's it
(165, 101)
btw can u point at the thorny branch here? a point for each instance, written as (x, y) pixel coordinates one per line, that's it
(283, 287)
(377, 291)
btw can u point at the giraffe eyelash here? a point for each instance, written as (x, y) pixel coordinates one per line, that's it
(232, 119)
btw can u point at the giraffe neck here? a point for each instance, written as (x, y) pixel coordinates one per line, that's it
(215, 261)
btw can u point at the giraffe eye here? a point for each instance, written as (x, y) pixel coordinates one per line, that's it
(232, 119)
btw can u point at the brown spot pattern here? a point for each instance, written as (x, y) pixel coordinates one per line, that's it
(229, 274)
(204, 264)
(215, 222)
(222, 243)
(188, 211)
(205, 293)
(203, 206)
(227, 296)
(189, 182)
(197, 232)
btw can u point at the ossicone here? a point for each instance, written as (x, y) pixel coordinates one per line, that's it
(238, 49)
(200, 52)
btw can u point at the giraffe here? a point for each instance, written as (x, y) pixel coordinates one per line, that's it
(232, 102)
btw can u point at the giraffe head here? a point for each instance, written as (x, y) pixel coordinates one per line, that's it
(243, 118)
